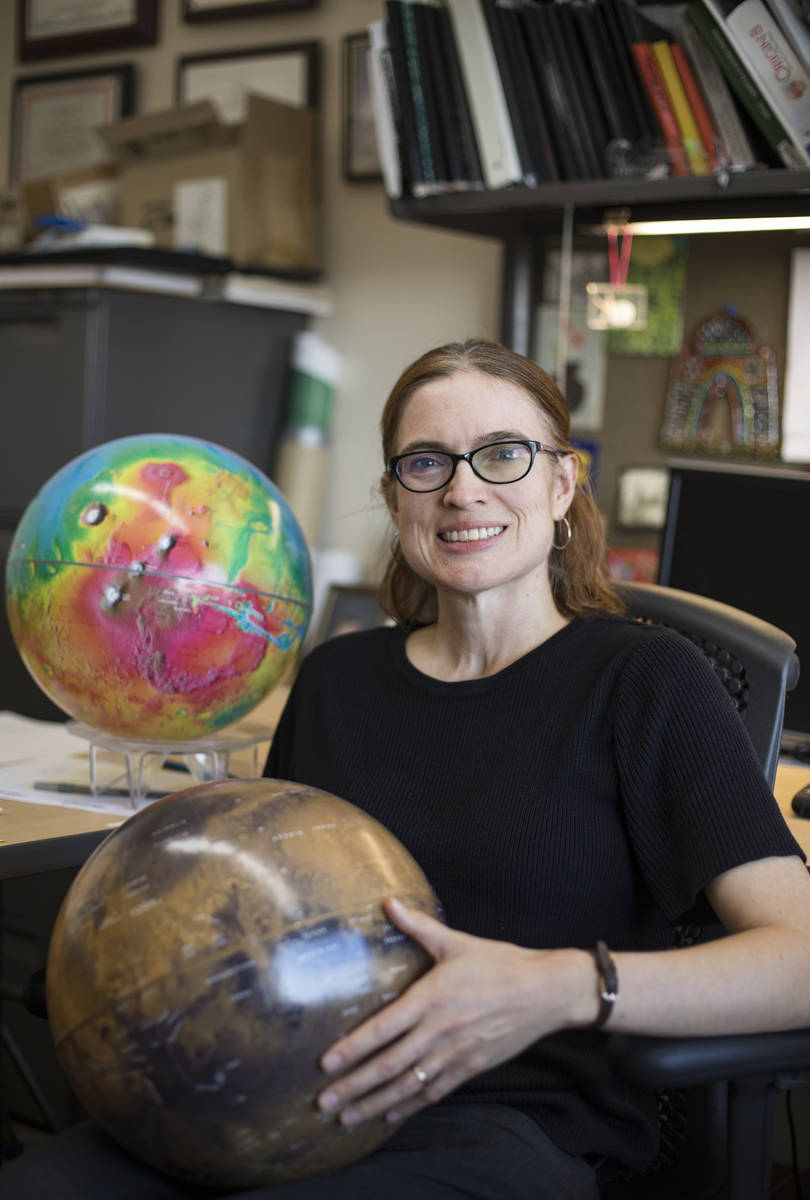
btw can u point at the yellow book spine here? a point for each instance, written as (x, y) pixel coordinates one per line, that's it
(687, 125)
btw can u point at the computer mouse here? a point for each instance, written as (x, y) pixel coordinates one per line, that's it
(801, 802)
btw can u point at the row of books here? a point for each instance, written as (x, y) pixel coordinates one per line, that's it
(486, 94)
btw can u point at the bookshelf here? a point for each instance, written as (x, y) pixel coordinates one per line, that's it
(572, 73)
(520, 211)
(525, 219)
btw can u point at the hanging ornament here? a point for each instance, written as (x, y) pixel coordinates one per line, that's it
(618, 304)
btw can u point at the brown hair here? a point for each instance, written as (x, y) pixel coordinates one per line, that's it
(577, 576)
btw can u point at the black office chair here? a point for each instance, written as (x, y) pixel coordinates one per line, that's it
(717, 1094)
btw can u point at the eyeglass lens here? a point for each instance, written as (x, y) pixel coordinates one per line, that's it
(502, 462)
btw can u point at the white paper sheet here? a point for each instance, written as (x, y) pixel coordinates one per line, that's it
(35, 753)
(796, 405)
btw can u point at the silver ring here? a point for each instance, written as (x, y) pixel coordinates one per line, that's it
(421, 1075)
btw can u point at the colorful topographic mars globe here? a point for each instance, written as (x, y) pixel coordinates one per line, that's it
(207, 955)
(157, 587)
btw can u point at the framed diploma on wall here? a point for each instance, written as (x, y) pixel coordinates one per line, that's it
(215, 10)
(50, 28)
(55, 119)
(288, 73)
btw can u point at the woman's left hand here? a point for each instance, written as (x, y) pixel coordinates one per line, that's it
(480, 1004)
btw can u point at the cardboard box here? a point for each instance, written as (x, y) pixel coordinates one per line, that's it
(89, 194)
(242, 191)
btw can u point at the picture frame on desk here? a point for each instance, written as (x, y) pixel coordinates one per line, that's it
(637, 564)
(55, 119)
(51, 28)
(223, 10)
(641, 501)
(361, 162)
(287, 72)
(350, 608)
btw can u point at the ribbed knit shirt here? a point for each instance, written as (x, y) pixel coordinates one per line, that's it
(589, 790)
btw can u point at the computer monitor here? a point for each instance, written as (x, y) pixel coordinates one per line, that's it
(742, 535)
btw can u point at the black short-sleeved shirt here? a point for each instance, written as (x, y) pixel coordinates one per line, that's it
(589, 790)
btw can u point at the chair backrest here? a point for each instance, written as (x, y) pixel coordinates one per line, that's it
(758, 665)
(755, 661)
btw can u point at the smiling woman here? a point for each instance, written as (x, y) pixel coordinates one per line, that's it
(478, 525)
(570, 782)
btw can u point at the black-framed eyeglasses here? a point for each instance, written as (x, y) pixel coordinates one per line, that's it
(497, 462)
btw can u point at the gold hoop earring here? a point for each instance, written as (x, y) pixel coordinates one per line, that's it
(563, 521)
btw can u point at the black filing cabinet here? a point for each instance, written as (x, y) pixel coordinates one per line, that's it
(81, 366)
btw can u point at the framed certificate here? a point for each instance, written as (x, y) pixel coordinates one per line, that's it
(56, 118)
(214, 10)
(288, 73)
(49, 28)
(360, 157)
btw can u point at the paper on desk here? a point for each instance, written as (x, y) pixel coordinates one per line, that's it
(44, 752)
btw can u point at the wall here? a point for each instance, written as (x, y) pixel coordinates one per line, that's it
(396, 289)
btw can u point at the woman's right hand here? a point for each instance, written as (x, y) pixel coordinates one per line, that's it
(482, 1003)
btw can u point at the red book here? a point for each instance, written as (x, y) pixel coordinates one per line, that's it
(651, 76)
(712, 142)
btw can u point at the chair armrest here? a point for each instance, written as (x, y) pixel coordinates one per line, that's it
(33, 994)
(661, 1063)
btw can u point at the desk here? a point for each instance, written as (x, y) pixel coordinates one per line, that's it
(790, 777)
(35, 838)
(39, 838)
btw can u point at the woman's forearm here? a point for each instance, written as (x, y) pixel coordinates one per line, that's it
(745, 983)
(756, 978)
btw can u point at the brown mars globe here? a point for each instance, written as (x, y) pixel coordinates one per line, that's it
(205, 957)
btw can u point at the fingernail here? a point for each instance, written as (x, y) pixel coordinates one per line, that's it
(332, 1062)
(350, 1117)
(328, 1102)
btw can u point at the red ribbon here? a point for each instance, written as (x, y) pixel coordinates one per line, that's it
(619, 254)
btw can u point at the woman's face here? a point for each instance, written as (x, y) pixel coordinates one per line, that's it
(472, 536)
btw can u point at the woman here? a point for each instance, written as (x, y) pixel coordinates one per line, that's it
(562, 775)
(564, 778)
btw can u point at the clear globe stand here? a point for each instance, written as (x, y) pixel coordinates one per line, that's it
(205, 759)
